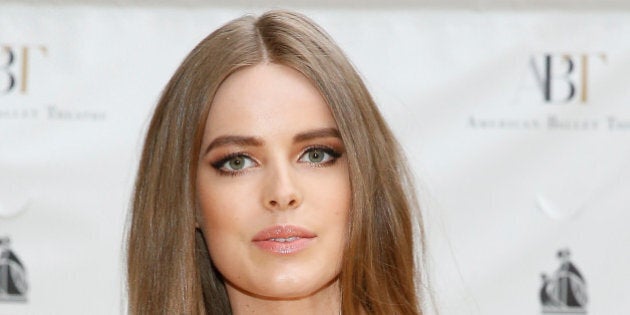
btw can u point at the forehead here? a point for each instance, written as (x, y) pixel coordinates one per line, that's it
(267, 100)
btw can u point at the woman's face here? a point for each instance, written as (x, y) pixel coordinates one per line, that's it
(273, 186)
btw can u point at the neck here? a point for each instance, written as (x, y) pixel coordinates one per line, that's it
(325, 301)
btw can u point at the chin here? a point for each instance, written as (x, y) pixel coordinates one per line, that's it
(290, 287)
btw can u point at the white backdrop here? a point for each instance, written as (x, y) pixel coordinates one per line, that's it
(507, 177)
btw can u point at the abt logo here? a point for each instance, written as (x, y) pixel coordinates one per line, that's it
(15, 62)
(564, 78)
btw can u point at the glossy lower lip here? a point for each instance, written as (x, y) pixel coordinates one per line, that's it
(284, 239)
(284, 248)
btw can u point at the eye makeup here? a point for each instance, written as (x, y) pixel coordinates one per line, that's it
(223, 164)
(237, 163)
(329, 155)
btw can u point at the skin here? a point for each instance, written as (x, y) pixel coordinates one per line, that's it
(270, 156)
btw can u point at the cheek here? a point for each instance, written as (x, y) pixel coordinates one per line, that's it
(331, 208)
(220, 199)
(330, 200)
(336, 192)
(222, 216)
(343, 198)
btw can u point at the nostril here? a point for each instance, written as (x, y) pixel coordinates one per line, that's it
(292, 203)
(273, 203)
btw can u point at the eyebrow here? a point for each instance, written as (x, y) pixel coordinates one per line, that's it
(317, 133)
(256, 142)
(235, 140)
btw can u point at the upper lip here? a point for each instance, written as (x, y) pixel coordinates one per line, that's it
(282, 231)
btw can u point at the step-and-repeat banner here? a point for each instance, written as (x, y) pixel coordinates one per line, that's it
(516, 123)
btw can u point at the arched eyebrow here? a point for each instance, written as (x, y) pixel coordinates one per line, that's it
(234, 140)
(257, 142)
(317, 133)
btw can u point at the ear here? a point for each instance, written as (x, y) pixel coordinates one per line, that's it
(197, 215)
(197, 219)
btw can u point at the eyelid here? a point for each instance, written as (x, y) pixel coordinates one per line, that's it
(219, 165)
(334, 154)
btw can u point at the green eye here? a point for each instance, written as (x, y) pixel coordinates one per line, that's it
(319, 156)
(316, 155)
(236, 163)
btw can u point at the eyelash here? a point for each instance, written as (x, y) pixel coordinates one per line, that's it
(334, 155)
(220, 164)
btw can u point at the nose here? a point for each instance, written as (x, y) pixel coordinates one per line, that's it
(281, 190)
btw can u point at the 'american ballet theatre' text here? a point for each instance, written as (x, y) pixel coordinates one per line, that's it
(51, 113)
(551, 123)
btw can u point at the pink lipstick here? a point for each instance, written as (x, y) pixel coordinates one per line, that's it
(283, 239)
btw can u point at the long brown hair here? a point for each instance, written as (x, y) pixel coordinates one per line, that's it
(169, 270)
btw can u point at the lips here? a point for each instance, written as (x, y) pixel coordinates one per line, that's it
(283, 239)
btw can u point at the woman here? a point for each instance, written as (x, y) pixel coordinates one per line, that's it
(269, 183)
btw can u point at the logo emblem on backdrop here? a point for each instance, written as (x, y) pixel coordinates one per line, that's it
(25, 77)
(15, 67)
(557, 80)
(564, 78)
(13, 285)
(564, 292)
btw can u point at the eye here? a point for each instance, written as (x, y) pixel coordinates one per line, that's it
(234, 163)
(319, 155)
